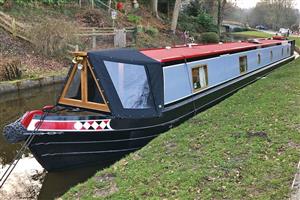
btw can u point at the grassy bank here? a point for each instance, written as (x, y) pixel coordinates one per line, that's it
(254, 34)
(246, 147)
(260, 34)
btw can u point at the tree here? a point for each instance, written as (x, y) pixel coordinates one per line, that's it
(175, 15)
(154, 4)
(220, 18)
(275, 14)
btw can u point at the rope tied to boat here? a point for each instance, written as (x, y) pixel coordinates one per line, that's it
(17, 158)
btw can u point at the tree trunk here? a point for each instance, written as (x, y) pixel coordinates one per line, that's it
(154, 7)
(175, 15)
(221, 7)
(109, 6)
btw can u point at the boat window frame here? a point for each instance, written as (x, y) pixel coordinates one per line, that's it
(271, 55)
(83, 102)
(240, 64)
(198, 66)
(259, 58)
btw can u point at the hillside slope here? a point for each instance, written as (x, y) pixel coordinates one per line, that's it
(153, 33)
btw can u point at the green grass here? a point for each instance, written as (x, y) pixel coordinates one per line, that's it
(254, 34)
(260, 34)
(246, 147)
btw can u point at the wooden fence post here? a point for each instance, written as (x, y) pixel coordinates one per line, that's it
(94, 39)
(120, 38)
(13, 27)
(109, 6)
(93, 4)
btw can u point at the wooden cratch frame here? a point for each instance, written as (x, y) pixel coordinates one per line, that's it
(83, 102)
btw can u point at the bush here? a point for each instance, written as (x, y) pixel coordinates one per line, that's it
(10, 70)
(51, 37)
(197, 24)
(134, 18)
(151, 30)
(7, 4)
(95, 18)
(49, 2)
(240, 29)
(209, 37)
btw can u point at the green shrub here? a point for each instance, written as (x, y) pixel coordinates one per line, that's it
(7, 4)
(50, 2)
(51, 37)
(10, 70)
(209, 37)
(151, 30)
(240, 29)
(134, 18)
(197, 24)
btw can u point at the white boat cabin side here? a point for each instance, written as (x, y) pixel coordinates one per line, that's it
(186, 79)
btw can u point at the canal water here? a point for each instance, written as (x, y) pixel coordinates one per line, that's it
(12, 106)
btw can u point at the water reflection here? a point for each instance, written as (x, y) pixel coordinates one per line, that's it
(227, 37)
(58, 183)
(14, 105)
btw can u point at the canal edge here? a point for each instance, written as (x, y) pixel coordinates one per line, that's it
(9, 87)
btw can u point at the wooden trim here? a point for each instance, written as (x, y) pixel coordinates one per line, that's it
(79, 53)
(78, 103)
(84, 86)
(69, 82)
(98, 86)
(83, 103)
(206, 77)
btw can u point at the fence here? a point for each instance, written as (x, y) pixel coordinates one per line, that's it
(10, 24)
(119, 34)
(18, 29)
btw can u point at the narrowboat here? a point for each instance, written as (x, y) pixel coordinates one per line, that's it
(115, 101)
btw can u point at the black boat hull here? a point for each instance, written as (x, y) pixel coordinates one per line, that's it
(76, 149)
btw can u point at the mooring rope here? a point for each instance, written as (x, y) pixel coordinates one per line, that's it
(17, 158)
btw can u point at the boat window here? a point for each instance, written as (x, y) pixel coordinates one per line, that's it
(199, 74)
(258, 58)
(271, 54)
(92, 89)
(74, 90)
(131, 84)
(288, 50)
(282, 52)
(243, 64)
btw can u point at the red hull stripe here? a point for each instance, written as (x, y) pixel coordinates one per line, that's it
(74, 126)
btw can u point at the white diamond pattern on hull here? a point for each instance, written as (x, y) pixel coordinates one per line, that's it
(86, 125)
(78, 126)
(95, 125)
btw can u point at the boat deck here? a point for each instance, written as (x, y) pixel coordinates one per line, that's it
(183, 52)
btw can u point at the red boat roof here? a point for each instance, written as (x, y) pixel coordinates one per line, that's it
(184, 52)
